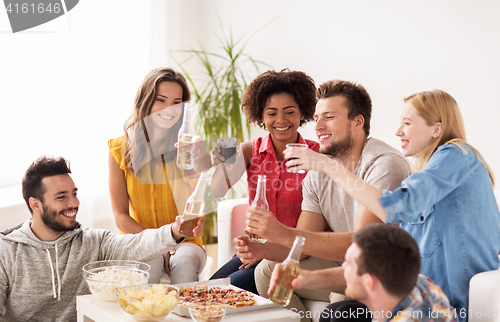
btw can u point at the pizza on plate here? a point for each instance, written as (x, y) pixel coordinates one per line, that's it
(231, 298)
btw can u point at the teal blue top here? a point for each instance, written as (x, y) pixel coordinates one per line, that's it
(450, 209)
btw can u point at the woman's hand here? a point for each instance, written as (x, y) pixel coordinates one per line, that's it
(219, 158)
(198, 230)
(166, 261)
(199, 149)
(301, 158)
(200, 156)
(364, 193)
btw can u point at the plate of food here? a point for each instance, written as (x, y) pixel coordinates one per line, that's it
(221, 291)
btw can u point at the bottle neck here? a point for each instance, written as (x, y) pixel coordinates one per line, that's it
(294, 254)
(261, 189)
(260, 194)
(186, 120)
(199, 190)
(186, 126)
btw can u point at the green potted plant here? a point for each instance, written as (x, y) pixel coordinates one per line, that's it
(217, 95)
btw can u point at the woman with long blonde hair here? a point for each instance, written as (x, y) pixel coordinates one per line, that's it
(447, 205)
(147, 189)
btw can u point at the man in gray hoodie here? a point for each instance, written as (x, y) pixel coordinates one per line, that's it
(41, 259)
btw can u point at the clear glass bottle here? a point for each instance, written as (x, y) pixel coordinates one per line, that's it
(259, 201)
(194, 207)
(185, 140)
(288, 271)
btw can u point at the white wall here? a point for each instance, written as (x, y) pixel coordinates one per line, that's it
(394, 48)
(67, 86)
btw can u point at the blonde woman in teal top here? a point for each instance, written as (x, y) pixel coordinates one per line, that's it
(448, 205)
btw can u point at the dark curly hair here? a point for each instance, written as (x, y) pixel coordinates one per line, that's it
(295, 83)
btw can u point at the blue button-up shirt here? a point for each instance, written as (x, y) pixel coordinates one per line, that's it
(450, 209)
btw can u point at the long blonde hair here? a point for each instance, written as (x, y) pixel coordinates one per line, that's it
(438, 106)
(144, 100)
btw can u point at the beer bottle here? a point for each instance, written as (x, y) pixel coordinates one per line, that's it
(288, 271)
(259, 201)
(185, 139)
(194, 207)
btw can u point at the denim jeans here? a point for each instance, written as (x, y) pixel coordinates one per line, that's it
(242, 278)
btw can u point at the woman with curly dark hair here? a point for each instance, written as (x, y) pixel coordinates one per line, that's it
(279, 102)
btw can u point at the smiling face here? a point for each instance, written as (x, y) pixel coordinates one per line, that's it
(333, 127)
(167, 107)
(355, 288)
(60, 203)
(282, 117)
(414, 132)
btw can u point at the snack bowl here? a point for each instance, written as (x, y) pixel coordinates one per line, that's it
(149, 302)
(104, 278)
(207, 311)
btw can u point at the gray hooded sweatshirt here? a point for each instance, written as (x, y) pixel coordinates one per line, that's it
(40, 280)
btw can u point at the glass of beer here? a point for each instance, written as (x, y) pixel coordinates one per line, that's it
(295, 145)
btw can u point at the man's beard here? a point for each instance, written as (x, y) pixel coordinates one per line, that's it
(340, 149)
(49, 219)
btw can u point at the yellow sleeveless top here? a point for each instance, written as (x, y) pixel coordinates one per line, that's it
(160, 195)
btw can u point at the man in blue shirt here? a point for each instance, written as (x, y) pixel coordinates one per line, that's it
(381, 270)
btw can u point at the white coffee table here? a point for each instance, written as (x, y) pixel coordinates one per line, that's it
(89, 308)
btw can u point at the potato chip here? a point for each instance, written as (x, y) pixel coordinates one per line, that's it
(152, 303)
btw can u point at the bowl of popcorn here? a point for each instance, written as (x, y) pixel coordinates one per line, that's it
(104, 278)
(207, 311)
(150, 302)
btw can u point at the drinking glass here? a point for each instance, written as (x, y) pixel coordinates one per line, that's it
(227, 148)
(295, 145)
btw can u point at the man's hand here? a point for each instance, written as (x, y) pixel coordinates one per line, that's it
(166, 260)
(197, 231)
(301, 281)
(328, 279)
(249, 253)
(262, 222)
(307, 159)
